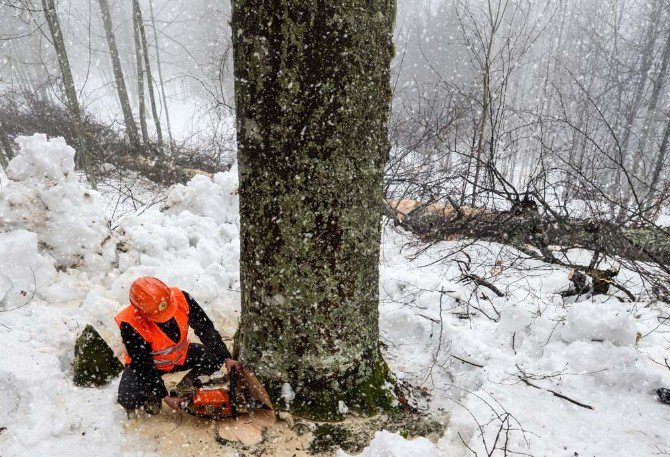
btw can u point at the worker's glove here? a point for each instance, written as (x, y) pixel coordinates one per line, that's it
(175, 403)
(232, 365)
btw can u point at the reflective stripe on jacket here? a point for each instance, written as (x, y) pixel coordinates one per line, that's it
(165, 352)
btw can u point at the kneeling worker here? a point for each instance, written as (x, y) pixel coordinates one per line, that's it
(154, 329)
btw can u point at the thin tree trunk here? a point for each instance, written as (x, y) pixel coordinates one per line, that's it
(312, 88)
(658, 167)
(653, 101)
(82, 156)
(645, 67)
(485, 111)
(481, 129)
(140, 78)
(131, 127)
(150, 79)
(160, 73)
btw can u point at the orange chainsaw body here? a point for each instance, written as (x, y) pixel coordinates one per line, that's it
(212, 403)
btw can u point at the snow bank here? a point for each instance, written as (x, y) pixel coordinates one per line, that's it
(62, 267)
(23, 270)
(599, 322)
(44, 196)
(387, 444)
(191, 243)
(214, 198)
(41, 160)
(463, 346)
(472, 350)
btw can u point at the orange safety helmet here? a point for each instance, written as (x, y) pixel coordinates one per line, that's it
(151, 298)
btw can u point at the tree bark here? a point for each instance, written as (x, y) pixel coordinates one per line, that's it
(83, 158)
(150, 79)
(312, 88)
(140, 77)
(129, 121)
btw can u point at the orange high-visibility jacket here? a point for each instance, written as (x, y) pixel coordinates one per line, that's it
(165, 352)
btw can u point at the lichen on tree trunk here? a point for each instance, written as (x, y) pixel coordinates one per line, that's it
(312, 93)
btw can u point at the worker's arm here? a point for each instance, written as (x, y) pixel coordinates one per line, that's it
(141, 360)
(203, 327)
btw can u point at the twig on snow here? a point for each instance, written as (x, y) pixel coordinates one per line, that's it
(467, 361)
(556, 394)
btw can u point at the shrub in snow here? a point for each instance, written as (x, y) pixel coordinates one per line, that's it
(589, 321)
(45, 197)
(23, 271)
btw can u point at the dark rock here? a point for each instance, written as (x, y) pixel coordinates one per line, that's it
(94, 361)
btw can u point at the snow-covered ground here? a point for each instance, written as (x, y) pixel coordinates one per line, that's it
(527, 371)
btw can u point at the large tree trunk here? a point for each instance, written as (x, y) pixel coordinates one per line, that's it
(150, 79)
(312, 88)
(129, 121)
(82, 157)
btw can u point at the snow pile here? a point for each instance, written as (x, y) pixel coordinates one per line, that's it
(192, 243)
(387, 444)
(547, 374)
(590, 321)
(215, 198)
(44, 196)
(23, 270)
(62, 267)
(41, 160)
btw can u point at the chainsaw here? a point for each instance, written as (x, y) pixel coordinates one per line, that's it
(222, 396)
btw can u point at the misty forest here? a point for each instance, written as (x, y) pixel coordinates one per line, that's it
(408, 227)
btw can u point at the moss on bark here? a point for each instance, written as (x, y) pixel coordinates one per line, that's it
(312, 92)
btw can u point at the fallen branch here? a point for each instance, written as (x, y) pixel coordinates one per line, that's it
(556, 394)
(482, 282)
(467, 362)
(624, 290)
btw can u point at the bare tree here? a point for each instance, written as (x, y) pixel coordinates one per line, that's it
(129, 121)
(160, 73)
(139, 63)
(137, 14)
(58, 42)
